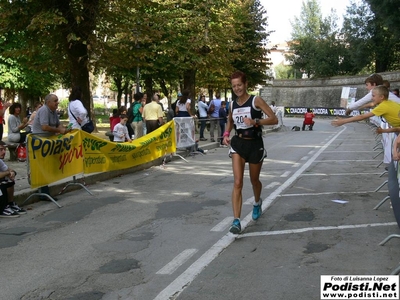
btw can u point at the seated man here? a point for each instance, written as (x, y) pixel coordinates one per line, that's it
(308, 119)
(8, 208)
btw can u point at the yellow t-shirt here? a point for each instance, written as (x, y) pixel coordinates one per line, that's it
(390, 110)
(152, 111)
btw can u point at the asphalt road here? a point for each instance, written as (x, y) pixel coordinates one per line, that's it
(162, 233)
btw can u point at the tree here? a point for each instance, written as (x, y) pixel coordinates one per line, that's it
(371, 45)
(251, 25)
(52, 36)
(170, 41)
(388, 11)
(315, 48)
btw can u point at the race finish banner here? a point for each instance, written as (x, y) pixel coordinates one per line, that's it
(54, 158)
(184, 132)
(321, 111)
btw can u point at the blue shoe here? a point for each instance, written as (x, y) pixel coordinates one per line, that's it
(235, 227)
(257, 210)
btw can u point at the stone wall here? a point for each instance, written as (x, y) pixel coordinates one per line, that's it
(319, 92)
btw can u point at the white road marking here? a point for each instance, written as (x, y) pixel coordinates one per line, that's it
(271, 185)
(301, 230)
(329, 193)
(340, 174)
(221, 226)
(286, 174)
(304, 158)
(295, 165)
(182, 281)
(351, 151)
(178, 261)
(344, 160)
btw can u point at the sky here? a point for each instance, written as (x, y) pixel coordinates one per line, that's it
(281, 12)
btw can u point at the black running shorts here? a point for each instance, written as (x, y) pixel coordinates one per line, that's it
(252, 150)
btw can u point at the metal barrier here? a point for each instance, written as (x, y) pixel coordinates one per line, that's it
(47, 195)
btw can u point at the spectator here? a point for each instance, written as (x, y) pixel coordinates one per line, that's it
(47, 123)
(202, 106)
(120, 132)
(173, 105)
(396, 92)
(183, 105)
(144, 102)
(15, 125)
(114, 116)
(158, 101)
(308, 119)
(137, 119)
(115, 121)
(33, 115)
(8, 208)
(386, 83)
(77, 113)
(170, 114)
(388, 109)
(213, 111)
(222, 119)
(153, 115)
(273, 107)
(370, 82)
(3, 108)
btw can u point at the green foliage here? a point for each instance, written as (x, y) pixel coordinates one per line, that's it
(251, 24)
(63, 104)
(372, 44)
(44, 43)
(388, 11)
(316, 50)
(287, 72)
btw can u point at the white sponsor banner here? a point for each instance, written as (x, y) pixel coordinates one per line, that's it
(184, 132)
(359, 287)
(348, 96)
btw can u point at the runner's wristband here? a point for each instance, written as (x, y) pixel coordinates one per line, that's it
(226, 134)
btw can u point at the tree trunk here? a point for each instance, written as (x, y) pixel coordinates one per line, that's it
(189, 83)
(148, 84)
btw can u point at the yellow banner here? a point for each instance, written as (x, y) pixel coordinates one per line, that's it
(52, 159)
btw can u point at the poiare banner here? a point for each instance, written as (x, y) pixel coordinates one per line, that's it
(54, 158)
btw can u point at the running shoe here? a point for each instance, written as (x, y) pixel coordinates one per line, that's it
(257, 210)
(235, 227)
(8, 213)
(14, 206)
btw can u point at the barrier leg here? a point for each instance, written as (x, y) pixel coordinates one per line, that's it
(43, 195)
(380, 203)
(380, 152)
(74, 182)
(180, 156)
(396, 271)
(379, 164)
(389, 238)
(379, 187)
(383, 173)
